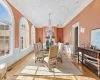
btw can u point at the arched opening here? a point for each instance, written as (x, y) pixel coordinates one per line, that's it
(6, 29)
(32, 35)
(24, 33)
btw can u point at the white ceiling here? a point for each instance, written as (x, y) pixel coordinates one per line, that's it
(62, 11)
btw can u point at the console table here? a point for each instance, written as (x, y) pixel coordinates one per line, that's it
(90, 58)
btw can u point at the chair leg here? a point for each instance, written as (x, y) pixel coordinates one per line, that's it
(59, 59)
(42, 60)
(50, 69)
(54, 65)
(35, 61)
(5, 76)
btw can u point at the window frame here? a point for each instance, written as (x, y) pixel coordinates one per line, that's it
(11, 24)
(23, 28)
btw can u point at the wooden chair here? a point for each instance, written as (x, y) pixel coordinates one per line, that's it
(40, 46)
(52, 58)
(38, 55)
(3, 70)
(41, 49)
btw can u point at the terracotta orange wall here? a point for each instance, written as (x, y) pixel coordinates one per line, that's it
(17, 17)
(60, 34)
(44, 33)
(40, 33)
(55, 33)
(89, 19)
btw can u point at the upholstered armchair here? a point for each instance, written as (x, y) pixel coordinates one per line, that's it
(40, 46)
(51, 60)
(38, 54)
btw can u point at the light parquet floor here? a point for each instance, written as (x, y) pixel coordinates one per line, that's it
(88, 75)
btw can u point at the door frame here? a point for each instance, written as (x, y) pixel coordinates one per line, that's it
(73, 35)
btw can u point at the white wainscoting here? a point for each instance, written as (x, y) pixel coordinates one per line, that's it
(17, 55)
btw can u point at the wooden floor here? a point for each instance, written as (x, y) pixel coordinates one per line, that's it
(88, 75)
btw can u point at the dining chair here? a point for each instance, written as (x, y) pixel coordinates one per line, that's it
(40, 46)
(38, 55)
(41, 49)
(51, 60)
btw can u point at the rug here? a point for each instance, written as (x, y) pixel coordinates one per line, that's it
(65, 68)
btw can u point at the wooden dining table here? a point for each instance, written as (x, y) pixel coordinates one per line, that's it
(45, 51)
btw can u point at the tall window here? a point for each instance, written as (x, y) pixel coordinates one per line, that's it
(24, 33)
(5, 21)
(33, 35)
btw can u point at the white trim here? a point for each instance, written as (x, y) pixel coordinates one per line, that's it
(23, 18)
(73, 36)
(33, 34)
(12, 27)
(5, 56)
(4, 21)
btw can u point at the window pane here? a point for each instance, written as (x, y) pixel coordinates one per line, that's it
(21, 38)
(5, 18)
(4, 39)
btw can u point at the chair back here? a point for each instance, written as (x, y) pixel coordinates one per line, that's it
(40, 46)
(35, 48)
(53, 51)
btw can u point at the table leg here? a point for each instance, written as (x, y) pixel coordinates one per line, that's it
(82, 57)
(78, 56)
(99, 66)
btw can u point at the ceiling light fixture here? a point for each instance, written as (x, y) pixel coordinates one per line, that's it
(49, 29)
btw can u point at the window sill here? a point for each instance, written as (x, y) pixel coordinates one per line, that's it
(24, 49)
(5, 56)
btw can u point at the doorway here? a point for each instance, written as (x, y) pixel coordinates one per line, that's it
(75, 38)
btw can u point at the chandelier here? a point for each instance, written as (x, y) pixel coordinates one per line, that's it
(49, 29)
